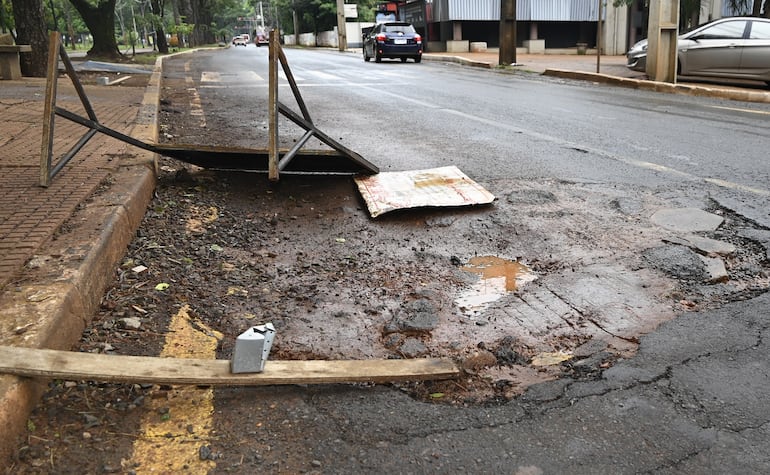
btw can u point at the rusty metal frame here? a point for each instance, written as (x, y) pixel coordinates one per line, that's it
(339, 160)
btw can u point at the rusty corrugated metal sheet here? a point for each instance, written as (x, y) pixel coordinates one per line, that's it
(526, 10)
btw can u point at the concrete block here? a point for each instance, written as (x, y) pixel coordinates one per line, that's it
(535, 46)
(457, 46)
(478, 47)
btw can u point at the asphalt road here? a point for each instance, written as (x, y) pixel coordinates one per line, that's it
(494, 125)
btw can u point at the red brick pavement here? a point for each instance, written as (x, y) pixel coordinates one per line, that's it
(30, 215)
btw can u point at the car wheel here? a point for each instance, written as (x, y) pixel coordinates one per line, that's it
(366, 56)
(418, 58)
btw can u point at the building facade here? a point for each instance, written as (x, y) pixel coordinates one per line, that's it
(542, 25)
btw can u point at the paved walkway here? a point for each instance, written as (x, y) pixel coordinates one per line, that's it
(612, 65)
(30, 215)
(59, 245)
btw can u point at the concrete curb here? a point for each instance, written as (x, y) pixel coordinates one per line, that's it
(52, 310)
(686, 89)
(457, 59)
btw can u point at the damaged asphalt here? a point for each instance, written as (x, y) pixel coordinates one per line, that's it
(691, 400)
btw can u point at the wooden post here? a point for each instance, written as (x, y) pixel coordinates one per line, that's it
(507, 55)
(272, 106)
(49, 114)
(662, 34)
(342, 34)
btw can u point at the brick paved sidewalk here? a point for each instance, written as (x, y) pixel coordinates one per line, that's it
(30, 215)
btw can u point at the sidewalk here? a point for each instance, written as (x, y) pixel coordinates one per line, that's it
(539, 63)
(59, 246)
(612, 70)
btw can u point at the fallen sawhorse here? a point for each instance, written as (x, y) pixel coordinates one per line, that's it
(273, 160)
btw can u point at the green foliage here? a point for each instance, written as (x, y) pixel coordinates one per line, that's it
(317, 15)
(65, 16)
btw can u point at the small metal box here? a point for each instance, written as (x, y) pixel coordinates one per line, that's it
(252, 348)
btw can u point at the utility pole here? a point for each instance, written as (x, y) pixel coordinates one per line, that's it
(599, 37)
(507, 55)
(296, 23)
(662, 33)
(342, 35)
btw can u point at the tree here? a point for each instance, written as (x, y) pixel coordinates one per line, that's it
(29, 18)
(60, 17)
(158, 7)
(99, 17)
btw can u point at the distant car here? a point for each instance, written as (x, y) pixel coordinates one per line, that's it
(735, 48)
(393, 40)
(239, 41)
(261, 39)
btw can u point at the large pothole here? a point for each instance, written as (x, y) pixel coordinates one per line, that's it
(339, 285)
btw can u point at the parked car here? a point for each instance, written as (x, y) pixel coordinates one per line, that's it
(735, 48)
(239, 41)
(393, 40)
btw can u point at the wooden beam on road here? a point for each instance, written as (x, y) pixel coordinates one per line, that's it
(75, 366)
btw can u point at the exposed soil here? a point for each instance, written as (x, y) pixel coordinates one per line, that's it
(304, 254)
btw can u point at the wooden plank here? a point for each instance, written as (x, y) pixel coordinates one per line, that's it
(74, 366)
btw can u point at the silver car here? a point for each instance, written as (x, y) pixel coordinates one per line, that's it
(736, 48)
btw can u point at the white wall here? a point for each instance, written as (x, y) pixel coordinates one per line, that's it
(329, 38)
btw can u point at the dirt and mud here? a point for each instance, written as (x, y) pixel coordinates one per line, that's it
(594, 273)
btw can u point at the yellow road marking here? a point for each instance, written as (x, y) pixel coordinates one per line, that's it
(179, 422)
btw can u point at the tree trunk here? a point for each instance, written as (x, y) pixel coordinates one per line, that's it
(202, 18)
(31, 30)
(100, 21)
(160, 35)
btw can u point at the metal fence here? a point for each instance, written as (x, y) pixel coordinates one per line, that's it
(526, 10)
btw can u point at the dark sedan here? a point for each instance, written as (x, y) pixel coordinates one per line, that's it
(393, 40)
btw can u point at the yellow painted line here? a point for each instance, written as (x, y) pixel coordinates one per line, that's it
(179, 421)
(736, 109)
